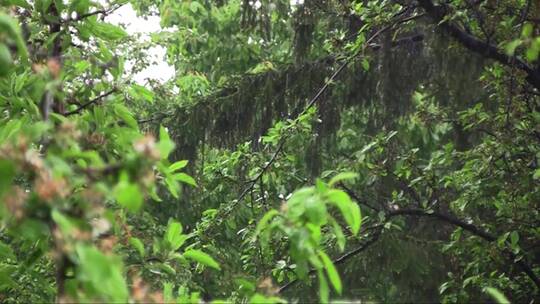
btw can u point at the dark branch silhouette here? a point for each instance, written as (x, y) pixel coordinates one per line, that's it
(89, 103)
(439, 12)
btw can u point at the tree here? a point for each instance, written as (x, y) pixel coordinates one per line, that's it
(305, 150)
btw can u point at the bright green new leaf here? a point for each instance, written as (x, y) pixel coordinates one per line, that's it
(126, 115)
(138, 91)
(536, 174)
(174, 235)
(348, 208)
(128, 195)
(263, 223)
(511, 47)
(167, 268)
(168, 292)
(324, 291)
(527, 30)
(342, 176)
(102, 273)
(172, 186)
(331, 271)
(65, 224)
(178, 165)
(315, 210)
(106, 31)
(498, 296)
(165, 144)
(262, 299)
(201, 257)
(184, 178)
(138, 245)
(340, 236)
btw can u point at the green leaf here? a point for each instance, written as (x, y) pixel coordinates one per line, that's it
(7, 169)
(10, 129)
(262, 299)
(356, 218)
(514, 238)
(138, 245)
(511, 47)
(340, 236)
(365, 64)
(10, 27)
(532, 53)
(178, 165)
(126, 115)
(536, 174)
(342, 176)
(65, 224)
(167, 268)
(527, 30)
(174, 235)
(6, 62)
(6, 252)
(21, 3)
(102, 272)
(153, 194)
(349, 209)
(324, 291)
(498, 296)
(172, 186)
(165, 144)
(140, 92)
(315, 210)
(263, 223)
(201, 257)
(106, 31)
(6, 282)
(331, 271)
(182, 177)
(128, 195)
(168, 292)
(195, 7)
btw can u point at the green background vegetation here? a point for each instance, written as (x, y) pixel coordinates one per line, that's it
(380, 151)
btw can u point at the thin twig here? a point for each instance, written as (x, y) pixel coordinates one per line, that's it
(104, 12)
(89, 103)
(340, 260)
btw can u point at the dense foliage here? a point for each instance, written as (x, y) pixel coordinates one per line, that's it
(316, 150)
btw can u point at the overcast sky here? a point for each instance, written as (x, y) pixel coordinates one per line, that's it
(138, 25)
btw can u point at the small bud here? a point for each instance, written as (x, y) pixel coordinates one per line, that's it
(54, 67)
(48, 188)
(147, 147)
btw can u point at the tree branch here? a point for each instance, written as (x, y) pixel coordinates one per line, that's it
(89, 103)
(439, 13)
(340, 260)
(104, 12)
(473, 230)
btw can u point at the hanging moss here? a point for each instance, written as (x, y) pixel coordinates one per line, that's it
(249, 105)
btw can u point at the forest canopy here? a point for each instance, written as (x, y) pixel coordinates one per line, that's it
(303, 151)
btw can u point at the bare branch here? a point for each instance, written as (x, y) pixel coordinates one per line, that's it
(103, 12)
(89, 103)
